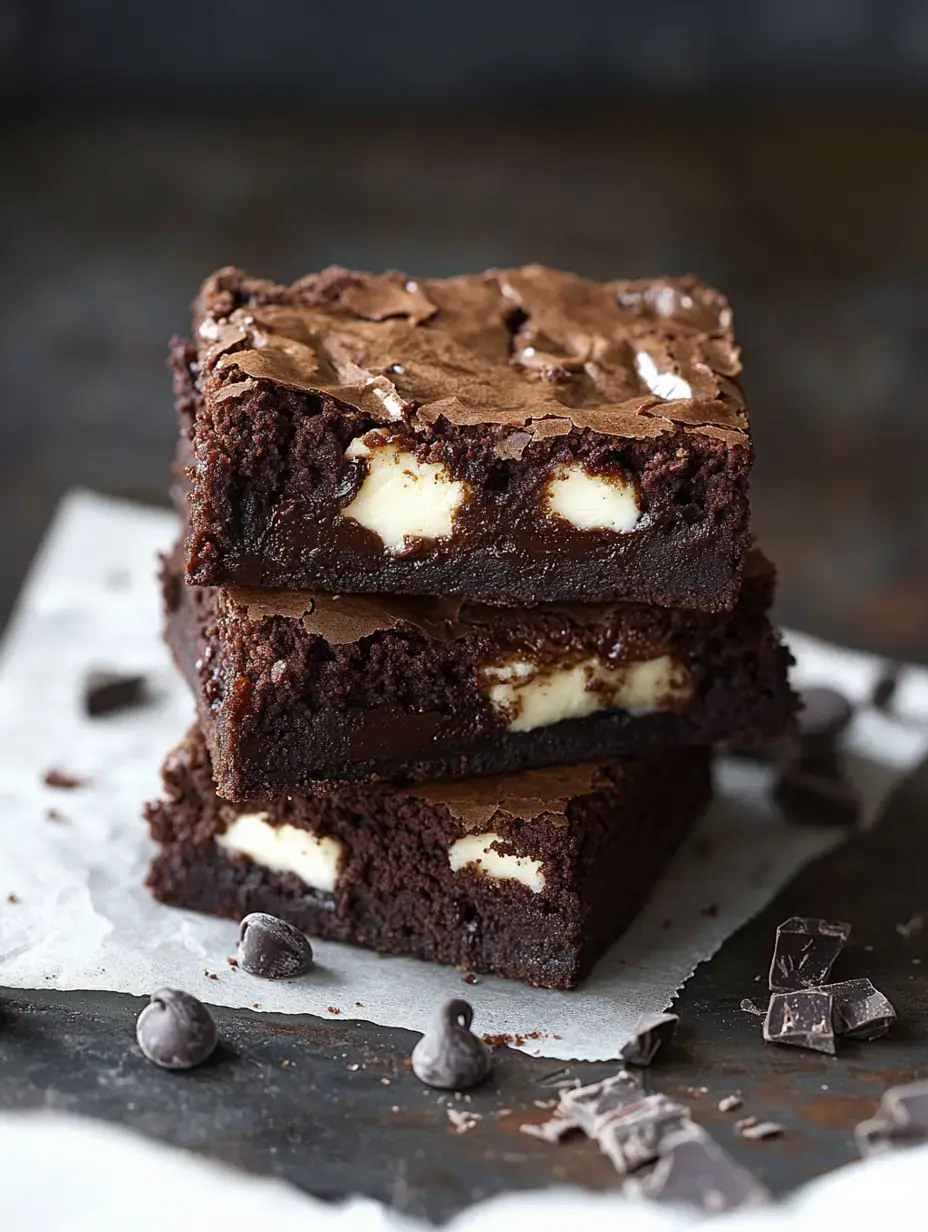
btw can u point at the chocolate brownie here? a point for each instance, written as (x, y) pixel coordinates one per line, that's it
(530, 877)
(516, 437)
(292, 687)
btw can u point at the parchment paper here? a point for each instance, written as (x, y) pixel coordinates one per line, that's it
(73, 913)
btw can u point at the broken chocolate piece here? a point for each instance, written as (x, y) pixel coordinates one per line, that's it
(860, 1010)
(802, 1018)
(633, 1137)
(591, 1107)
(109, 692)
(651, 1033)
(693, 1169)
(756, 1131)
(813, 791)
(805, 951)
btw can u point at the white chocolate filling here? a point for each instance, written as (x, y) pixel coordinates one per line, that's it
(402, 498)
(666, 385)
(591, 502)
(475, 852)
(533, 695)
(285, 849)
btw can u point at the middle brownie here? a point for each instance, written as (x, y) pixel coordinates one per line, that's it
(292, 687)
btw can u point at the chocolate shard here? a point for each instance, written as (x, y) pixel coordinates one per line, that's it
(805, 951)
(652, 1032)
(695, 1171)
(591, 1107)
(860, 1010)
(633, 1137)
(802, 1018)
(110, 692)
(906, 1107)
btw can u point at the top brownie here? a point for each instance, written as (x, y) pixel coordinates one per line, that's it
(518, 436)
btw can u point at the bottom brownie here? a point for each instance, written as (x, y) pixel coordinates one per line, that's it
(530, 876)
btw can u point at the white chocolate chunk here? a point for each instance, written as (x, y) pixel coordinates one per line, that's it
(475, 851)
(285, 849)
(533, 695)
(591, 502)
(402, 498)
(666, 385)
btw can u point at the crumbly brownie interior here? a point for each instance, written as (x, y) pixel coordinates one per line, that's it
(396, 892)
(270, 474)
(281, 705)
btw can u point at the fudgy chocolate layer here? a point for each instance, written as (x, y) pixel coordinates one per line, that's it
(597, 837)
(359, 689)
(499, 381)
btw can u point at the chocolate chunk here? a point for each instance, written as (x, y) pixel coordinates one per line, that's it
(593, 1106)
(449, 1055)
(802, 1018)
(634, 1136)
(823, 714)
(175, 1030)
(813, 791)
(805, 951)
(271, 948)
(860, 1010)
(884, 691)
(694, 1170)
(651, 1033)
(757, 1131)
(110, 692)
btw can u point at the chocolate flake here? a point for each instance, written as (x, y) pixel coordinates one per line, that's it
(108, 692)
(805, 951)
(651, 1034)
(802, 1018)
(62, 781)
(756, 1131)
(730, 1103)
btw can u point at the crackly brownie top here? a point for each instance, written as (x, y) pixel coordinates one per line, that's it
(532, 348)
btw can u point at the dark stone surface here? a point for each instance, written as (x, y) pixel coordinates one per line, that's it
(333, 1130)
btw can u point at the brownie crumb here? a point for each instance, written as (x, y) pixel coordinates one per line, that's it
(233, 963)
(333, 1009)
(12, 898)
(711, 911)
(470, 978)
(54, 815)
(62, 781)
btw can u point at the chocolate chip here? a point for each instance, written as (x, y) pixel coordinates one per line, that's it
(448, 1055)
(813, 792)
(110, 692)
(693, 1170)
(823, 714)
(805, 951)
(272, 948)
(651, 1033)
(802, 1019)
(175, 1030)
(860, 1010)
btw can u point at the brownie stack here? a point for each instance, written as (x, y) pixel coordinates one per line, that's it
(466, 598)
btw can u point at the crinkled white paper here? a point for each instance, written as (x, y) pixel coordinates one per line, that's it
(80, 918)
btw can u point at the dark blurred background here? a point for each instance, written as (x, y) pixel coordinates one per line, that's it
(778, 148)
